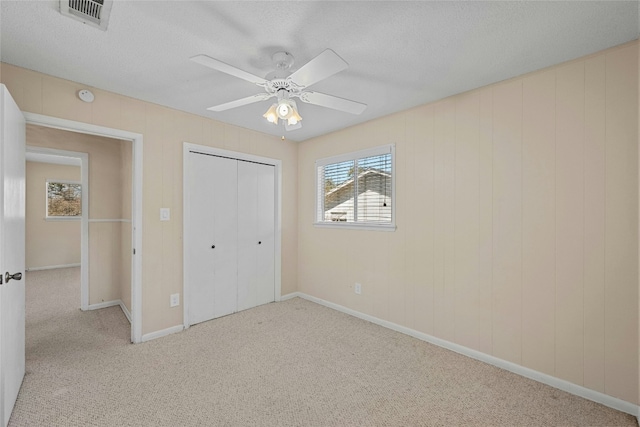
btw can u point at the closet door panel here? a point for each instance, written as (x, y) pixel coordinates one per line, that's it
(229, 259)
(247, 234)
(265, 267)
(199, 267)
(225, 225)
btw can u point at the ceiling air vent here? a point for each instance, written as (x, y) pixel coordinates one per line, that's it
(91, 12)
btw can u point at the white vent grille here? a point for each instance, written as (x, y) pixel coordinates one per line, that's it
(91, 12)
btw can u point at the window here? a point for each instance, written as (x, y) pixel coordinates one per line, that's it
(356, 189)
(64, 199)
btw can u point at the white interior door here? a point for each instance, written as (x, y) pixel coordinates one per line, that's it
(12, 213)
(265, 265)
(211, 254)
(256, 234)
(247, 234)
(225, 236)
(198, 254)
(230, 241)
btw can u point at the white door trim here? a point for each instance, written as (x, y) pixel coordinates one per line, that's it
(137, 140)
(84, 219)
(187, 147)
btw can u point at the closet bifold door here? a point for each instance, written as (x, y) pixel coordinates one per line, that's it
(211, 257)
(256, 234)
(265, 266)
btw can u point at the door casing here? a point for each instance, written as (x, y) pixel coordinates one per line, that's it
(136, 226)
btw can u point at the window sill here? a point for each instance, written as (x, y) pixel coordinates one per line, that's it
(353, 226)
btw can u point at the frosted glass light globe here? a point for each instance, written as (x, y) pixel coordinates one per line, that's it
(283, 110)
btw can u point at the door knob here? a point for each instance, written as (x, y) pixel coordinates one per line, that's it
(259, 243)
(15, 276)
(213, 246)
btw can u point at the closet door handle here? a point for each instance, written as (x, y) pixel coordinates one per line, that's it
(259, 243)
(213, 246)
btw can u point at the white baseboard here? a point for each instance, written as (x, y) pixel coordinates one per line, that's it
(162, 333)
(125, 310)
(291, 295)
(52, 267)
(104, 304)
(558, 383)
(113, 303)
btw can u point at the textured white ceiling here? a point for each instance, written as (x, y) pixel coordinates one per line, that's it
(401, 54)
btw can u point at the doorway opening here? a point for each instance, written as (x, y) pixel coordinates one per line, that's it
(111, 220)
(57, 203)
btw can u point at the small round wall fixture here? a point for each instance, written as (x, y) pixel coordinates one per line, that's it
(86, 95)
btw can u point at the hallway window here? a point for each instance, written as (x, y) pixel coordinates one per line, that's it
(64, 199)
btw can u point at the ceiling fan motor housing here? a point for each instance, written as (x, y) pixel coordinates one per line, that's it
(276, 85)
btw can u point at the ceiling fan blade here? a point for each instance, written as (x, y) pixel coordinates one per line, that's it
(240, 102)
(334, 102)
(319, 68)
(207, 61)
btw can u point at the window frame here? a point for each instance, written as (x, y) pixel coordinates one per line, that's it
(353, 156)
(48, 217)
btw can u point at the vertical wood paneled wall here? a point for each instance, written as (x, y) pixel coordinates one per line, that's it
(517, 215)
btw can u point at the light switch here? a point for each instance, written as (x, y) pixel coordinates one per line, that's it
(165, 214)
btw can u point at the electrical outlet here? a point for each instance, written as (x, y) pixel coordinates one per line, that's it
(358, 288)
(174, 300)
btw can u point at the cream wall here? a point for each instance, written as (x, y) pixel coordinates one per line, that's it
(54, 242)
(517, 222)
(164, 131)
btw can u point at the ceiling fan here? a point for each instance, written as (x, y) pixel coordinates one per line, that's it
(284, 85)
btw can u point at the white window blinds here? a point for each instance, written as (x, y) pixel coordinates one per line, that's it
(356, 188)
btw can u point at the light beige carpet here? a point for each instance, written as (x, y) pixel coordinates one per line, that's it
(293, 363)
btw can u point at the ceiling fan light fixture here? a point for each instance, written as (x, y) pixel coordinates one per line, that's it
(284, 109)
(272, 114)
(294, 118)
